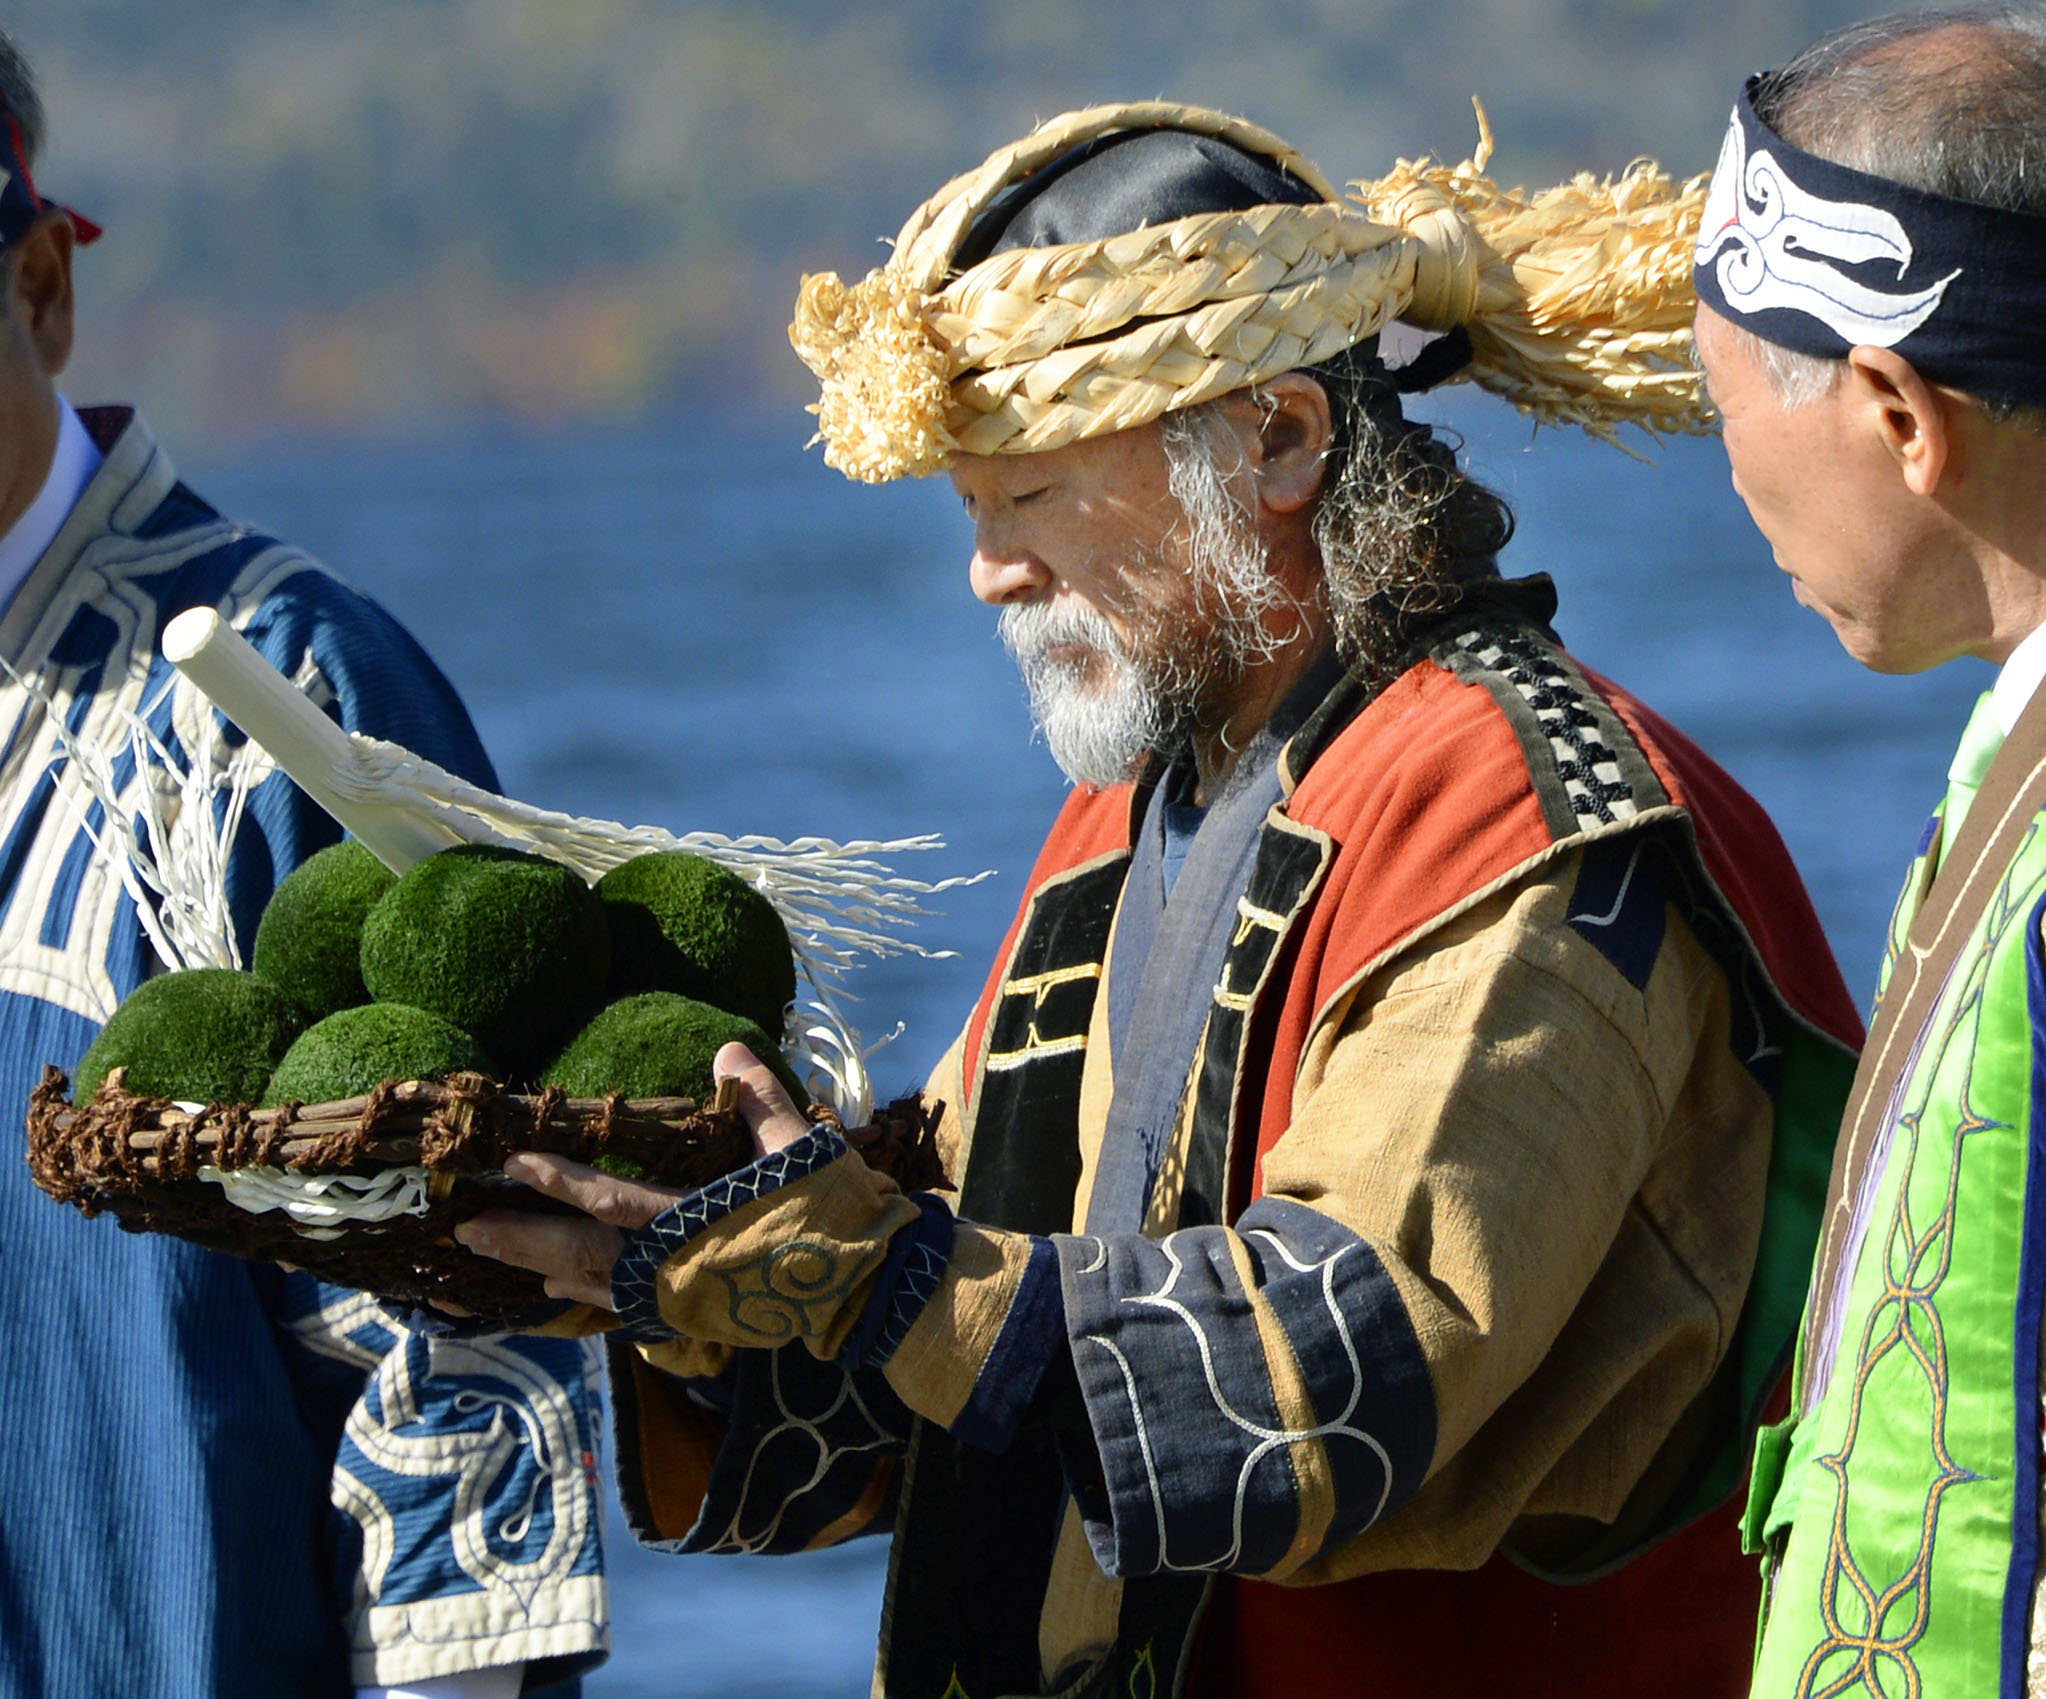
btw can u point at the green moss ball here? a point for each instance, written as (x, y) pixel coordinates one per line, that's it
(309, 944)
(510, 947)
(351, 1052)
(683, 924)
(660, 1045)
(206, 1035)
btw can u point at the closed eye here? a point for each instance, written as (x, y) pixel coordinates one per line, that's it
(1021, 498)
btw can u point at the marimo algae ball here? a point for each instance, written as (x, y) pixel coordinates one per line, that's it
(355, 1050)
(683, 924)
(510, 947)
(660, 1045)
(309, 944)
(206, 1035)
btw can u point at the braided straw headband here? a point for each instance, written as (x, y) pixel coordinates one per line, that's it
(1577, 302)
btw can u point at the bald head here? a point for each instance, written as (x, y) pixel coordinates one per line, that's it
(1953, 102)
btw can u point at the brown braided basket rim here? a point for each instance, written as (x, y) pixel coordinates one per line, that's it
(138, 1158)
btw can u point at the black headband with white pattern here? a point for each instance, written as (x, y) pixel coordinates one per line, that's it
(1820, 258)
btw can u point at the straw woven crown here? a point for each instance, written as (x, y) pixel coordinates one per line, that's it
(1577, 301)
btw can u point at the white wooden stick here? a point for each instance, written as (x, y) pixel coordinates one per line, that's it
(317, 754)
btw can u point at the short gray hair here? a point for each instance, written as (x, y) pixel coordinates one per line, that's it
(19, 99)
(1967, 120)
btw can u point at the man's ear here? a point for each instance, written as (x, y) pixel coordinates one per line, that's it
(1288, 429)
(40, 283)
(1912, 420)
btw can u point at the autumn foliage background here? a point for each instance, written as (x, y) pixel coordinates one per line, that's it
(398, 211)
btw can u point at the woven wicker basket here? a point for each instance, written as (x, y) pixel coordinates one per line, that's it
(138, 1159)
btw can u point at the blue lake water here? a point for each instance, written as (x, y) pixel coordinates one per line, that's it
(696, 625)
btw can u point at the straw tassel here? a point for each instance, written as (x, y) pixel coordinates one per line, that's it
(1582, 305)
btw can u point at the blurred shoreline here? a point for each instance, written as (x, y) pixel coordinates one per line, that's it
(423, 209)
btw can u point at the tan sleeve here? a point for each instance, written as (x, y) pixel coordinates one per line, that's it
(947, 1085)
(937, 1368)
(1564, 1176)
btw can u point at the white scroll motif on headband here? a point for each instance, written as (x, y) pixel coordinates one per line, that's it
(1772, 244)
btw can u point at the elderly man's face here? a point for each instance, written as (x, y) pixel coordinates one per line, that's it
(1120, 630)
(1860, 550)
(35, 342)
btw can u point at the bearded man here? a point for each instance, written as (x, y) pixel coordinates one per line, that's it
(1385, 1133)
(1877, 222)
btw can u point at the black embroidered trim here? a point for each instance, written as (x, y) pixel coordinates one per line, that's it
(1291, 860)
(1573, 723)
(1026, 1162)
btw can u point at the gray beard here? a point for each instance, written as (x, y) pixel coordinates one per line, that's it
(1101, 714)
(1098, 730)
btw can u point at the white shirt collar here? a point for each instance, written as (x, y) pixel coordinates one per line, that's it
(2019, 680)
(71, 469)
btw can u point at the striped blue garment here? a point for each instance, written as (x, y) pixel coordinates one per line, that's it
(221, 1480)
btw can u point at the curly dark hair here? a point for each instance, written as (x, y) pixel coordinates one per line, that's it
(1407, 539)
(1404, 532)
(19, 99)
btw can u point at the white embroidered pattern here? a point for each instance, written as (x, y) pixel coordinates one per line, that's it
(1587, 767)
(762, 1478)
(1773, 245)
(1266, 1439)
(48, 715)
(531, 1413)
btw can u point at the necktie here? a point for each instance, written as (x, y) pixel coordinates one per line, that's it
(1979, 744)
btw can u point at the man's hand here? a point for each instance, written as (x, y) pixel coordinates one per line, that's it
(577, 1255)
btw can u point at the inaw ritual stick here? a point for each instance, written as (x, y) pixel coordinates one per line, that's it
(315, 752)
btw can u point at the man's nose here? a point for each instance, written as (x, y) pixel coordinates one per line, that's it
(1001, 576)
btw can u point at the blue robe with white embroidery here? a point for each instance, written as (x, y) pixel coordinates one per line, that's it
(217, 1476)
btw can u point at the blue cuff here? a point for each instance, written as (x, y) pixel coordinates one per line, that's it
(916, 1263)
(1033, 1333)
(634, 1293)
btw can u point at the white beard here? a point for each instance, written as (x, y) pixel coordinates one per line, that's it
(1098, 729)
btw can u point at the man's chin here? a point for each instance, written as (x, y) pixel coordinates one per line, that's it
(1083, 773)
(1091, 760)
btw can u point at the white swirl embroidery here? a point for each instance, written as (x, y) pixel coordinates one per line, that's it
(1264, 1439)
(765, 1491)
(531, 1411)
(1771, 244)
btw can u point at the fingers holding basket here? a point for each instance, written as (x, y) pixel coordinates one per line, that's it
(578, 1254)
(575, 1254)
(772, 1116)
(609, 1198)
